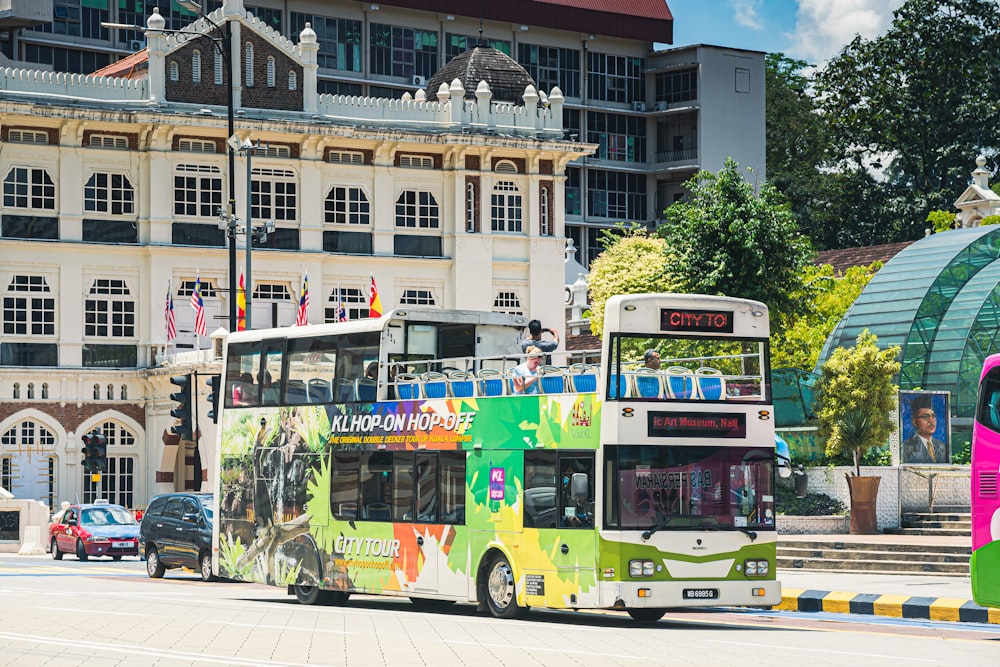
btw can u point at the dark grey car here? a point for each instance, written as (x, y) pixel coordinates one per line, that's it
(176, 531)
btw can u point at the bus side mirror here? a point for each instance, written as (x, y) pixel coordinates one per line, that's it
(783, 456)
(579, 487)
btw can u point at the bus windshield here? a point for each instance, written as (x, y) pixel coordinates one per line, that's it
(685, 487)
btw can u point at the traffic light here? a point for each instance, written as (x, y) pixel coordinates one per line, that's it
(95, 452)
(213, 397)
(99, 452)
(87, 450)
(182, 411)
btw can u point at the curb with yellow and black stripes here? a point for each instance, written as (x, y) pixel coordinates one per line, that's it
(893, 606)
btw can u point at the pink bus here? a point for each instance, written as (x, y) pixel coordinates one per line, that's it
(985, 564)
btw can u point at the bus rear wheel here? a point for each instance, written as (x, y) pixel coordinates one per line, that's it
(647, 615)
(310, 594)
(501, 594)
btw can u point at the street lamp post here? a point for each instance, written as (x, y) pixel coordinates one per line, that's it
(259, 232)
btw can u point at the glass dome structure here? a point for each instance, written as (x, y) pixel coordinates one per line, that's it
(939, 300)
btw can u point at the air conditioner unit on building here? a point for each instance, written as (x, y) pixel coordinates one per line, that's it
(662, 105)
(638, 106)
(419, 80)
(137, 44)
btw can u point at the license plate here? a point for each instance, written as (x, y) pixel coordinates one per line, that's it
(701, 593)
(122, 545)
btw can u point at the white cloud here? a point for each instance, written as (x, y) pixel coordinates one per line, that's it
(745, 13)
(823, 27)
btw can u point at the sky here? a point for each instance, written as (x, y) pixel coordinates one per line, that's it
(810, 30)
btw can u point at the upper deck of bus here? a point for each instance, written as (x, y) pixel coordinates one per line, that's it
(712, 349)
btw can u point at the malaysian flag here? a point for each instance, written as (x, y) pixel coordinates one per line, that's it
(199, 309)
(341, 312)
(168, 313)
(301, 319)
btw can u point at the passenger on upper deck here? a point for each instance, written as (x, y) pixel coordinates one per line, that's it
(525, 377)
(652, 359)
(534, 338)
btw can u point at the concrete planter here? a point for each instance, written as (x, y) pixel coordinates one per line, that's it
(813, 525)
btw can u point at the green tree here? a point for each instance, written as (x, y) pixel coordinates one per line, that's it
(913, 108)
(857, 396)
(632, 263)
(726, 239)
(941, 221)
(830, 297)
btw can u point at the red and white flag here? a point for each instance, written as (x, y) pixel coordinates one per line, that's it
(168, 314)
(301, 318)
(199, 309)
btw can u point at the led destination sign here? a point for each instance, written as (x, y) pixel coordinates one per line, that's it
(696, 425)
(705, 321)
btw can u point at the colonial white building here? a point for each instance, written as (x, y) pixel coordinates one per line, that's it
(112, 192)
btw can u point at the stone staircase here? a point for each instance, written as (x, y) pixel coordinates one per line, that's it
(934, 523)
(917, 551)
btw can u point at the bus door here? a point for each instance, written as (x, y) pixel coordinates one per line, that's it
(559, 510)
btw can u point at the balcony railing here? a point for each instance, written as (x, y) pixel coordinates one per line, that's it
(677, 156)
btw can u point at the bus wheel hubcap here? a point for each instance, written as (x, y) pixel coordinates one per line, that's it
(501, 584)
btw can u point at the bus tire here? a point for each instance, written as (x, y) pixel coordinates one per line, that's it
(310, 594)
(501, 592)
(647, 614)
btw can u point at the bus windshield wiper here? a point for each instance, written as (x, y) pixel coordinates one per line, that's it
(659, 525)
(752, 534)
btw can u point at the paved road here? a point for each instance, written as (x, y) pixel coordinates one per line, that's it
(102, 613)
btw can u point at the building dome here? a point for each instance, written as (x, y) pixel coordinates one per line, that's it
(505, 77)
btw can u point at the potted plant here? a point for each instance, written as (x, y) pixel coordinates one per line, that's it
(856, 400)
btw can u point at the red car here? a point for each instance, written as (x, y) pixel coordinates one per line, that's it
(99, 529)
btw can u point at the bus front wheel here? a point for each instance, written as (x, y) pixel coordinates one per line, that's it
(647, 615)
(501, 595)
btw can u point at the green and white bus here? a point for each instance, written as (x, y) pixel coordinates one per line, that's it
(392, 456)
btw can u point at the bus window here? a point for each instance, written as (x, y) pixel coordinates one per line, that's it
(312, 364)
(540, 490)
(452, 475)
(576, 511)
(344, 487)
(376, 486)
(270, 378)
(988, 411)
(242, 364)
(402, 486)
(354, 351)
(426, 487)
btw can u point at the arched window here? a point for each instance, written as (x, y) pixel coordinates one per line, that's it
(196, 66)
(124, 394)
(506, 207)
(175, 71)
(293, 81)
(97, 392)
(45, 390)
(22, 448)
(118, 483)
(248, 65)
(270, 71)
(17, 390)
(31, 390)
(111, 392)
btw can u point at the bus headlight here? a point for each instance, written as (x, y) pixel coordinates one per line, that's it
(755, 568)
(641, 568)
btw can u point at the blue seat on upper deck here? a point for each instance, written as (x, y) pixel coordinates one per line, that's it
(461, 384)
(434, 385)
(490, 382)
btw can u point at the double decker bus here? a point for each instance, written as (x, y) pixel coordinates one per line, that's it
(392, 456)
(985, 561)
